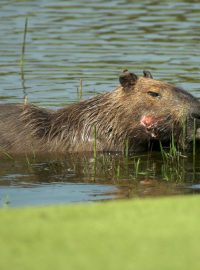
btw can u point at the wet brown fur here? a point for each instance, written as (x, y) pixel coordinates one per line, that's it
(116, 116)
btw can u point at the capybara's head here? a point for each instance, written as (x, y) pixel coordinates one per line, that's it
(160, 110)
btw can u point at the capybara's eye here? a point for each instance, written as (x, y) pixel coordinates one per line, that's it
(153, 94)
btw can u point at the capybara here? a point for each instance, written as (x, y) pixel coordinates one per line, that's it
(139, 112)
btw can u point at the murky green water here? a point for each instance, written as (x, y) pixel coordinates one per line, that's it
(94, 41)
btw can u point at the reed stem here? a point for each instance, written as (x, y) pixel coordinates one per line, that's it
(23, 58)
(95, 143)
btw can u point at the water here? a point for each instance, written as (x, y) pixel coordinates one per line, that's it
(54, 193)
(93, 41)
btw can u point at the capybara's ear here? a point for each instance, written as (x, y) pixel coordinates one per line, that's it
(147, 74)
(127, 79)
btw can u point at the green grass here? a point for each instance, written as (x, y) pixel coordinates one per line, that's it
(141, 234)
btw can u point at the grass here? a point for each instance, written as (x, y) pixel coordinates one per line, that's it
(80, 90)
(95, 143)
(136, 165)
(194, 149)
(22, 60)
(173, 168)
(23, 47)
(141, 234)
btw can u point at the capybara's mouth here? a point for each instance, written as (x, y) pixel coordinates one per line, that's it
(154, 125)
(149, 122)
(158, 127)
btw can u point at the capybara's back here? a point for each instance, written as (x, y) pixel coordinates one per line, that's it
(22, 127)
(139, 112)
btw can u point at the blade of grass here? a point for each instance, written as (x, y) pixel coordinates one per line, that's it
(194, 149)
(95, 143)
(22, 60)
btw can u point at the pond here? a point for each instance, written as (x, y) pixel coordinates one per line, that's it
(88, 43)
